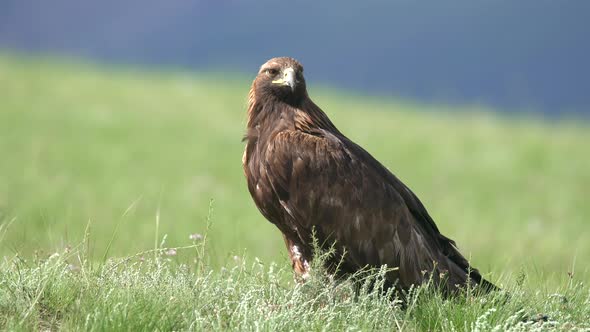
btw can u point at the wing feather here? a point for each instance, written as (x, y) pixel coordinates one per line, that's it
(328, 183)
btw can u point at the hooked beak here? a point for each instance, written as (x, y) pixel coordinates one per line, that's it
(288, 79)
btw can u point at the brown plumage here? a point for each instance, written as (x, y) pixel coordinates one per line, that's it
(306, 177)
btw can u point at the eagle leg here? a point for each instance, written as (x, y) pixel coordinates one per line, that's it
(299, 259)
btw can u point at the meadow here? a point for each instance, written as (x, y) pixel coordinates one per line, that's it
(123, 206)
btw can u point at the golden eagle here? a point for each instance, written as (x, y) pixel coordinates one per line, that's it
(308, 179)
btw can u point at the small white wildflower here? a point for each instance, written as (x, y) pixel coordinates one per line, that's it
(196, 237)
(171, 252)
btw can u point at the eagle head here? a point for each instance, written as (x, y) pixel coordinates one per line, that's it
(280, 79)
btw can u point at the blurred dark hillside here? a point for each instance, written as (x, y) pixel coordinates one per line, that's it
(528, 54)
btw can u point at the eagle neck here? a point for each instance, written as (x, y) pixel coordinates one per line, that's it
(273, 116)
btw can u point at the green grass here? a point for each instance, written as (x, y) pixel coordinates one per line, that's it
(67, 292)
(133, 160)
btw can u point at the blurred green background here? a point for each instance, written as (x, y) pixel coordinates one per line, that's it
(114, 148)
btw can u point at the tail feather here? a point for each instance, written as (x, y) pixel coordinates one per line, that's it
(466, 271)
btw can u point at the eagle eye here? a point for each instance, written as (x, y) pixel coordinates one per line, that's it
(272, 71)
